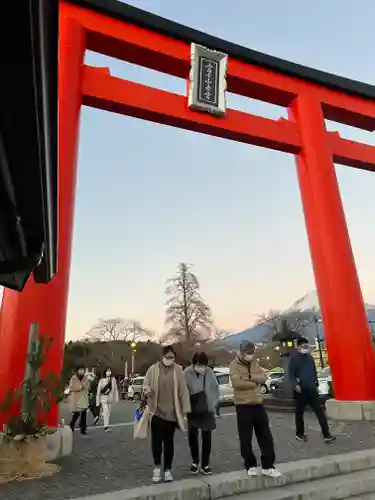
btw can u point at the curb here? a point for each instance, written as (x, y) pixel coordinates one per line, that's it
(237, 482)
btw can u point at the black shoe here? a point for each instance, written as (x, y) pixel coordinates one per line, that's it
(194, 469)
(329, 439)
(83, 433)
(303, 438)
(206, 470)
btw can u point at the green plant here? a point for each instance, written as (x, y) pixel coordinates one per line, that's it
(35, 393)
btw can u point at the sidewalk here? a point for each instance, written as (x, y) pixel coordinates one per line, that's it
(337, 476)
(104, 463)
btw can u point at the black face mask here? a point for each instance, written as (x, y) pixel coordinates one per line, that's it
(80, 376)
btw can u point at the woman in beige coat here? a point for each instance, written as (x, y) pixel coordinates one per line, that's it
(79, 398)
(168, 403)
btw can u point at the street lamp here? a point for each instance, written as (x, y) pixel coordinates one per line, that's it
(319, 341)
(133, 346)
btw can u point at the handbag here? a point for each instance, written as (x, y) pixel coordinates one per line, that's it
(107, 388)
(141, 426)
(198, 401)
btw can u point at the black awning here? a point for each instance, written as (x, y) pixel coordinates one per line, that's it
(28, 142)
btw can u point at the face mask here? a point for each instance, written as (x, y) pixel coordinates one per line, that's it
(168, 361)
(248, 357)
(304, 350)
(108, 374)
(81, 374)
(200, 369)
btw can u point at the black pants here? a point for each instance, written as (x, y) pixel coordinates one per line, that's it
(309, 398)
(194, 446)
(249, 418)
(82, 416)
(162, 441)
(95, 410)
(217, 410)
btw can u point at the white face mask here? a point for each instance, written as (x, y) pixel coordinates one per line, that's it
(248, 357)
(199, 369)
(304, 350)
(108, 374)
(168, 361)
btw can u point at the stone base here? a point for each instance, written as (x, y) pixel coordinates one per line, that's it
(350, 410)
(56, 445)
(59, 444)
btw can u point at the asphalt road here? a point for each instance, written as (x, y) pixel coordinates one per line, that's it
(107, 462)
(122, 414)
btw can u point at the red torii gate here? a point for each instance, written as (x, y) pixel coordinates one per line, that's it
(118, 30)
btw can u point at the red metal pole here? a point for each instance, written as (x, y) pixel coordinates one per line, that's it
(347, 334)
(47, 304)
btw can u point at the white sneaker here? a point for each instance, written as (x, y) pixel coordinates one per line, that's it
(156, 475)
(168, 476)
(253, 471)
(271, 472)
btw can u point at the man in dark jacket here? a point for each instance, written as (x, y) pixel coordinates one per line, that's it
(304, 380)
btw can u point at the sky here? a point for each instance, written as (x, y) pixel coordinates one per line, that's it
(150, 196)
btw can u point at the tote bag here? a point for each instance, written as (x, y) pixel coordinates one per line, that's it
(142, 425)
(198, 401)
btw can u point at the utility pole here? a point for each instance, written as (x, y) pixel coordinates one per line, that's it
(133, 346)
(319, 342)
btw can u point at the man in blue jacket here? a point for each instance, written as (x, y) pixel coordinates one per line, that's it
(304, 380)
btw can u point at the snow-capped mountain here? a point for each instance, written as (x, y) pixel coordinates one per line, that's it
(307, 303)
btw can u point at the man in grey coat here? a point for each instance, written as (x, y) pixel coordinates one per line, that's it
(204, 396)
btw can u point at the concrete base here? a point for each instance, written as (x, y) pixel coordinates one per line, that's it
(56, 445)
(59, 444)
(350, 410)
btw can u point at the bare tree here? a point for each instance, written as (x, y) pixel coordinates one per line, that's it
(297, 321)
(106, 330)
(221, 334)
(136, 331)
(188, 316)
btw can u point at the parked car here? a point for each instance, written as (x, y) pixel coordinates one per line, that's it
(273, 377)
(274, 384)
(135, 388)
(225, 388)
(325, 383)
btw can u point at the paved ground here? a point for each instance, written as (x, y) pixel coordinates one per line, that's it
(107, 462)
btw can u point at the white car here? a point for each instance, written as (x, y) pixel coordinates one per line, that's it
(135, 388)
(225, 387)
(324, 378)
(273, 377)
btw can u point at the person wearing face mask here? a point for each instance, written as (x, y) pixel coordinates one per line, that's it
(168, 403)
(247, 377)
(304, 380)
(204, 396)
(106, 395)
(79, 398)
